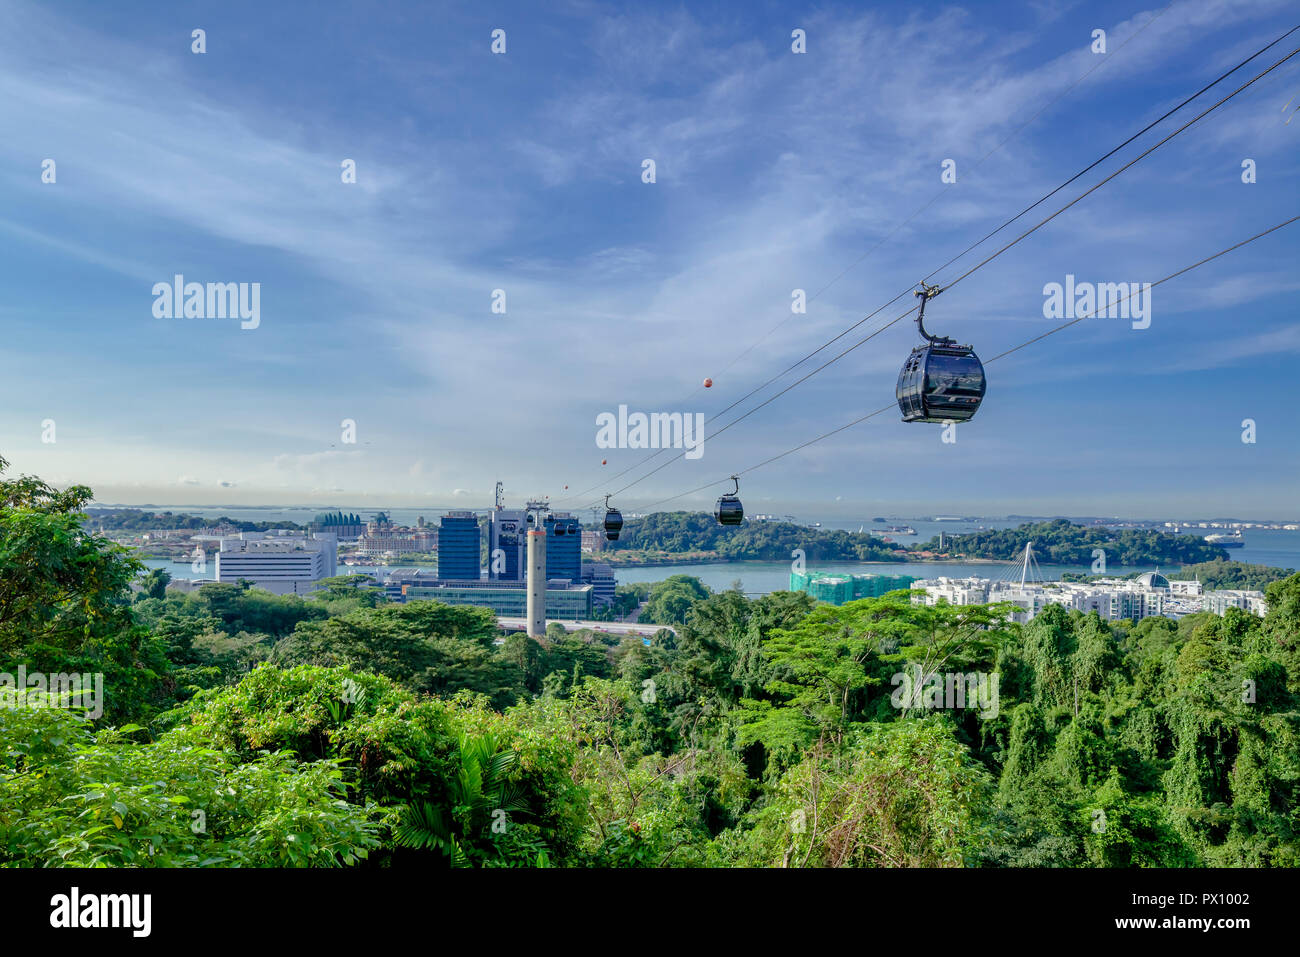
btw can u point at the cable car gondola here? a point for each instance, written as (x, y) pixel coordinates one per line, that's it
(941, 381)
(613, 521)
(729, 510)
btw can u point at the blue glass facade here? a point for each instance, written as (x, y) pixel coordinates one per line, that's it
(563, 548)
(507, 531)
(458, 546)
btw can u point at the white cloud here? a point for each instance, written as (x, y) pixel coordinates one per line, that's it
(776, 171)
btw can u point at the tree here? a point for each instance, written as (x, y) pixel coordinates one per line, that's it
(403, 751)
(672, 598)
(65, 597)
(423, 645)
(74, 798)
(155, 582)
(823, 668)
(481, 799)
(903, 794)
(1282, 626)
(242, 607)
(355, 591)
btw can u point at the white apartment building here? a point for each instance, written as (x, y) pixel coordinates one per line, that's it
(955, 591)
(1030, 599)
(285, 564)
(1220, 601)
(1113, 599)
(1110, 602)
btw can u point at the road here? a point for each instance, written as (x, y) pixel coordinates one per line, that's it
(609, 627)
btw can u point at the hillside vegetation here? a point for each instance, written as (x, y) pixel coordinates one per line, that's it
(241, 728)
(138, 520)
(680, 532)
(1225, 574)
(1061, 542)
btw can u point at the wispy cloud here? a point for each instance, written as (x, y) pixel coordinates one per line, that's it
(775, 171)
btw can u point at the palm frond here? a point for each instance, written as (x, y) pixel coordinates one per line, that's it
(423, 827)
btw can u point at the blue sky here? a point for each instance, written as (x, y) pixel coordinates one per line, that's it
(522, 172)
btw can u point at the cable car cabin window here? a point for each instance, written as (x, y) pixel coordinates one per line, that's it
(909, 384)
(953, 375)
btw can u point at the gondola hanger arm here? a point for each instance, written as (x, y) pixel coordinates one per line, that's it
(926, 293)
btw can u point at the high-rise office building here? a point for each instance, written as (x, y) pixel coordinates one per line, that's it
(563, 547)
(458, 546)
(507, 544)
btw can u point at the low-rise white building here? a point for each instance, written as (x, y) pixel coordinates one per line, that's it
(284, 564)
(955, 591)
(1220, 601)
(1113, 599)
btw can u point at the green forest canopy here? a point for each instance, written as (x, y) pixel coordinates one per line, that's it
(253, 729)
(1219, 573)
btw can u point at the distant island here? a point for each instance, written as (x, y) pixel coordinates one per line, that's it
(697, 535)
(1061, 542)
(136, 520)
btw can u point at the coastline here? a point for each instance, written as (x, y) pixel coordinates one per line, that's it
(687, 560)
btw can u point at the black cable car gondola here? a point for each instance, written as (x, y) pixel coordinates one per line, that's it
(729, 510)
(941, 381)
(613, 521)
